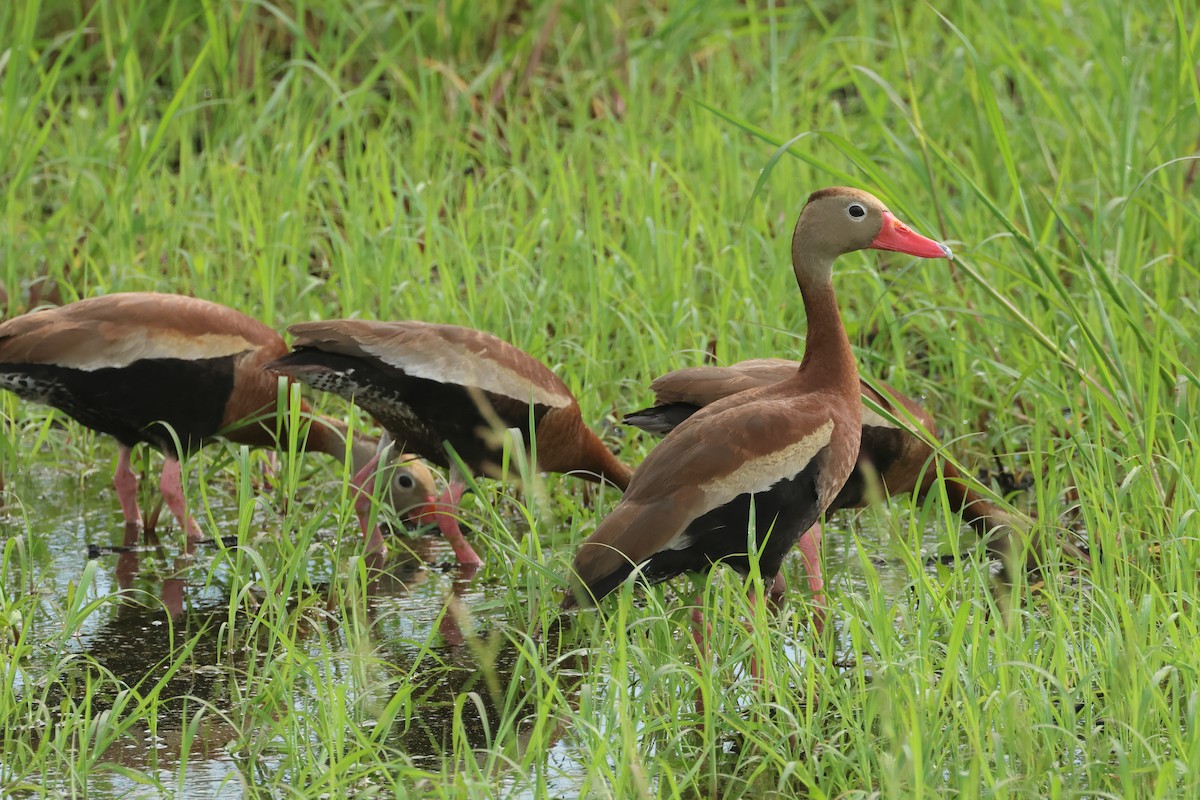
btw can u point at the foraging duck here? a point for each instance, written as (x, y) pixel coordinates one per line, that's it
(783, 450)
(172, 372)
(902, 460)
(428, 384)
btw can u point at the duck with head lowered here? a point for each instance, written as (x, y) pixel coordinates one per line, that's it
(173, 372)
(438, 389)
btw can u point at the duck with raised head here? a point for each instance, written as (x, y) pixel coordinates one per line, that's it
(172, 372)
(780, 452)
(902, 460)
(431, 385)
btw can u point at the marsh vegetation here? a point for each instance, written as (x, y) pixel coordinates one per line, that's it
(612, 188)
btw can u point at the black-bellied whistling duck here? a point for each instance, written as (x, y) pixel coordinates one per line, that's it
(784, 450)
(172, 372)
(902, 460)
(429, 384)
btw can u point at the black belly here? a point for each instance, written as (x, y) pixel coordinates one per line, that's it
(419, 413)
(781, 514)
(141, 402)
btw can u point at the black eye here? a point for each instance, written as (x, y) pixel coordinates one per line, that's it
(405, 481)
(856, 210)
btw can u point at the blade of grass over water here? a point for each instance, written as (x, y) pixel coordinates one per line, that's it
(613, 188)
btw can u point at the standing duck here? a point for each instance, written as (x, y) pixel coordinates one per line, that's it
(903, 461)
(429, 385)
(784, 450)
(172, 372)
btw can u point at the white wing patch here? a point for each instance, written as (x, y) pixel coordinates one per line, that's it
(760, 474)
(466, 368)
(128, 349)
(871, 419)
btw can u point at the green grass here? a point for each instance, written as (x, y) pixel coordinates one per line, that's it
(613, 188)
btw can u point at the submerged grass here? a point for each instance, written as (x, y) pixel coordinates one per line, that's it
(611, 187)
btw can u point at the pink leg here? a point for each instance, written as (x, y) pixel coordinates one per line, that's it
(445, 511)
(362, 507)
(810, 553)
(270, 471)
(700, 633)
(171, 484)
(126, 484)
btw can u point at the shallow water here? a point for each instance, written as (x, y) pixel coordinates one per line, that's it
(154, 600)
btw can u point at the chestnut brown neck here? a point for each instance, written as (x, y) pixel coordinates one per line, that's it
(327, 435)
(828, 359)
(608, 467)
(565, 444)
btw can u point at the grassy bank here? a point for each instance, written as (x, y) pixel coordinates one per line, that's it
(612, 188)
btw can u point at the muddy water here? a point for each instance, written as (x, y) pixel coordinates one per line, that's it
(156, 601)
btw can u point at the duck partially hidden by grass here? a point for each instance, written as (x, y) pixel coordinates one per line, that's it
(437, 388)
(173, 372)
(755, 470)
(893, 454)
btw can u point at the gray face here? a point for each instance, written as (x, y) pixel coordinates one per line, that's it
(835, 222)
(410, 483)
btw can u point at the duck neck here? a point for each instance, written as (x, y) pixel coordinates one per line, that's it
(611, 468)
(361, 452)
(828, 358)
(326, 435)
